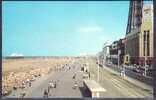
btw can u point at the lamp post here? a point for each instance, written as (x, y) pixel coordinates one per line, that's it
(98, 72)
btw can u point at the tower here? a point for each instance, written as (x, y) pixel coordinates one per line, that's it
(134, 17)
(133, 30)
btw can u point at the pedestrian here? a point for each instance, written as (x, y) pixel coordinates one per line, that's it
(75, 85)
(89, 74)
(74, 76)
(29, 84)
(55, 84)
(23, 94)
(45, 94)
(124, 71)
(14, 88)
(48, 89)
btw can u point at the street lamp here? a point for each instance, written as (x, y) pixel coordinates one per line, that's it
(98, 72)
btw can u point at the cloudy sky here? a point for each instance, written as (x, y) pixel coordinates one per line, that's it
(61, 28)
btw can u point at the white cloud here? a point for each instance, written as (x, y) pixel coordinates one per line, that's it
(16, 55)
(90, 29)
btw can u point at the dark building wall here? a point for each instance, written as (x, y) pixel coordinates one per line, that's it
(121, 47)
(133, 30)
(132, 48)
(114, 51)
(154, 51)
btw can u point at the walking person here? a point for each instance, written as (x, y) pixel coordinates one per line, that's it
(45, 94)
(29, 84)
(14, 90)
(89, 74)
(23, 94)
(48, 89)
(123, 71)
(55, 84)
(74, 76)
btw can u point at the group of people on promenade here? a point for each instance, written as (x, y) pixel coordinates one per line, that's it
(47, 91)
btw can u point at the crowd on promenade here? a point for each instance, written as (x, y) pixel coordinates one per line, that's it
(20, 79)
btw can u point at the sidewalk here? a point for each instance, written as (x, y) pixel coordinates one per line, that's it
(131, 80)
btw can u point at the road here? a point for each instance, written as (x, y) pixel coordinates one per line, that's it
(64, 84)
(115, 86)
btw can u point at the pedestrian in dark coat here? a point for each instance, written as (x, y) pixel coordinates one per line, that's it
(45, 94)
(48, 89)
(89, 74)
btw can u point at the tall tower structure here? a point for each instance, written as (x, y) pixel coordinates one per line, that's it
(139, 33)
(135, 16)
(133, 30)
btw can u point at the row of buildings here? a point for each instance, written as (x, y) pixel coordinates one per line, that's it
(114, 52)
(137, 47)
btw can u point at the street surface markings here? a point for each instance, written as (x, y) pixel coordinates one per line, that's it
(135, 89)
(119, 87)
(117, 84)
(129, 85)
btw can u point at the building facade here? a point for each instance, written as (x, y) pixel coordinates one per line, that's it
(121, 47)
(133, 30)
(114, 52)
(146, 36)
(106, 53)
(139, 39)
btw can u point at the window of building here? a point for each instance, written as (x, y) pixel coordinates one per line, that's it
(144, 40)
(148, 43)
(126, 58)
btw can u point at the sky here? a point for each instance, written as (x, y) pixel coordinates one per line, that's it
(61, 28)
